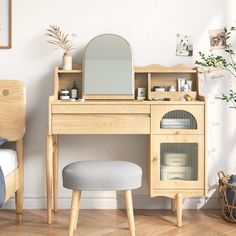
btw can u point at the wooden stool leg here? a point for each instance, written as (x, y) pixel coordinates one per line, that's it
(172, 205)
(73, 211)
(19, 195)
(179, 199)
(130, 212)
(55, 172)
(77, 213)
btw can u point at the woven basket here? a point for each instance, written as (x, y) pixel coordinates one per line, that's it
(228, 209)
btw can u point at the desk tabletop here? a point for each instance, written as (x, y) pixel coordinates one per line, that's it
(126, 102)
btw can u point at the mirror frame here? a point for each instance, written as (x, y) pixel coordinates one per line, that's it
(109, 96)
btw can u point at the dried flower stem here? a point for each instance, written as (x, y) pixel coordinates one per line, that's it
(59, 38)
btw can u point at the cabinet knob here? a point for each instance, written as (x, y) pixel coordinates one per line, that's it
(155, 159)
(177, 132)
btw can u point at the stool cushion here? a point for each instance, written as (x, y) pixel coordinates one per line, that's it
(102, 175)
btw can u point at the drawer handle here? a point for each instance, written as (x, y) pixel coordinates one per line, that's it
(177, 132)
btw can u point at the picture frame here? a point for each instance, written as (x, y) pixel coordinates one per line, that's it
(217, 39)
(184, 45)
(5, 24)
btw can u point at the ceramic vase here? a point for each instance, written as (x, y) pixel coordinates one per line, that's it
(67, 61)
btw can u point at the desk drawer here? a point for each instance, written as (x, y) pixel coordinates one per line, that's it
(94, 108)
(100, 124)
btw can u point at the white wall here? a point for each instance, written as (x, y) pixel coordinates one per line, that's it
(151, 27)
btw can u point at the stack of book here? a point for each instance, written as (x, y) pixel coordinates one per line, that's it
(175, 124)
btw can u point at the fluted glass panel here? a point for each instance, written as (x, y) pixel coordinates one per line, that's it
(179, 161)
(178, 119)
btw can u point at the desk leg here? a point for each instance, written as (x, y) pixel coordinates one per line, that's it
(173, 207)
(179, 199)
(55, 171)
(49, 174)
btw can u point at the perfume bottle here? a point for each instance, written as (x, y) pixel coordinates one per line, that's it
(185, 87)
(74, 91)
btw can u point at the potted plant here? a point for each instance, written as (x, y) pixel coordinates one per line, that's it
(61, 40)
(225, 62)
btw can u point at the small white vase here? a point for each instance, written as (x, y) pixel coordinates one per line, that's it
(67, 61)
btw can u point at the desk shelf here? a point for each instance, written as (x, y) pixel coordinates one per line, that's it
(145, 77)
(77, 69)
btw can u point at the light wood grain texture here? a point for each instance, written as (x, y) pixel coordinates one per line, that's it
(173, 96)
(56, 83)
(170, 193)
(13, 122)
(120, 102)
(130, 212)
(75, 70)
(111, 97)
(13, 109)
(12, 183)
(49, 174)
(77, 213)
(100, 124)
(157, 68)
(94, 109)
(206, 151)
(114, 223)
(149, 86)
(19, 195)
(73, 211)
(55, 171)
(179, 201)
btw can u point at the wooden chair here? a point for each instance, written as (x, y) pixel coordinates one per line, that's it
(12, 127)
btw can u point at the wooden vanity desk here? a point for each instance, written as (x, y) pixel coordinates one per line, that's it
(140, 117)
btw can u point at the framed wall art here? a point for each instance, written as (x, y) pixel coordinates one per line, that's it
(184, 45)
(217, 39)
(5, 24)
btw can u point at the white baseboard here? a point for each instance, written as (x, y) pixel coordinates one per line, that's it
(139, 201)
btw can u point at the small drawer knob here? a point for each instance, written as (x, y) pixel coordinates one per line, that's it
(155, 159)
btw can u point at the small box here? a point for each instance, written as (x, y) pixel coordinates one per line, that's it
(141, 93)
(176, 159)
(176, 173)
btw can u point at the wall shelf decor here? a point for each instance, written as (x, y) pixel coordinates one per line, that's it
(5, 24)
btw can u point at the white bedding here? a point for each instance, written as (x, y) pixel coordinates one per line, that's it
(8, 161)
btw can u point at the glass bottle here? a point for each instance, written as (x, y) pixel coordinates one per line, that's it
(74, 91)
(185, 88)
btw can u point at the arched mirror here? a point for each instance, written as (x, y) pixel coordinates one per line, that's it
(108, 68)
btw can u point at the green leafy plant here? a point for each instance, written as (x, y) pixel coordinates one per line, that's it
(227, 63)
(59, 38)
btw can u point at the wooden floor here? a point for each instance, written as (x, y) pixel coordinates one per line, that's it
(114, 223)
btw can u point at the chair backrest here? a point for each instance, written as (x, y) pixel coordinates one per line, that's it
(12, 109)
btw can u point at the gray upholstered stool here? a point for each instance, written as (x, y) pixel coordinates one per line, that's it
(103, 176)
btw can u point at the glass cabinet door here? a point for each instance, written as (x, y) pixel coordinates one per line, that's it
(178, 119)
(178, 161)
